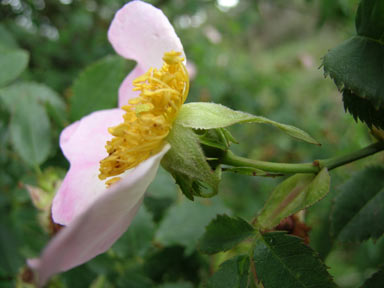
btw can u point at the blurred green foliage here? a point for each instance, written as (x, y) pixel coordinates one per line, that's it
(261, 57)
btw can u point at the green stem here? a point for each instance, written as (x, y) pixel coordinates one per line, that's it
(335, 162)
(233, 160)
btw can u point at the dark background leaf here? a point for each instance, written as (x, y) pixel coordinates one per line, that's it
(12, 63)
(376, 280)
(232, 273)
(96, 88)
(138, 239)
(172, 263)
(370, 19)
(358, 212)
(185, 222)
(41, 93)
(31, 131)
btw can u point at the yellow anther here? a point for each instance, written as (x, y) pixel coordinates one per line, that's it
(148, 118)
(143, 108)
(112, 181)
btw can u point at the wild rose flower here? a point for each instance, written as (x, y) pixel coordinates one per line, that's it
(114, 154)
(122, 146)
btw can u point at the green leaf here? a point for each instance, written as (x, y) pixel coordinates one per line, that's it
(362, 109)
(223, 233)
(13, 63)
(100, 282)
(10, 260)
(97, 86)
(292, 195)
(232, 273)
(184, 223)
(283, 260)
(171, 264)
(177, 285)
(358, 212)
(6, 38)
(78, 277)
(370, 19)
(157, 206)
(210, 116)
(187, 163)
(30, 131)
(356, 66)
(376, 281)
(42, 94)
(134, 279)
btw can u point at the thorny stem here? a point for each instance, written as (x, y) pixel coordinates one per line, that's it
(231, 159)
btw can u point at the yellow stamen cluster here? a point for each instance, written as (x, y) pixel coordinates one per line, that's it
(148, 118)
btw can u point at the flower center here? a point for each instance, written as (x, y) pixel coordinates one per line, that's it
(148, 118)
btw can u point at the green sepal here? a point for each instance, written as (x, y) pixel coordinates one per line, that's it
(214, 143)
(219, 138)
(212, 116)
(187, 185)
(292, 195)
(186, 162)
(356, 66)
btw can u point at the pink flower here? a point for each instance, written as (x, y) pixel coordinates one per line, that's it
(96, 216)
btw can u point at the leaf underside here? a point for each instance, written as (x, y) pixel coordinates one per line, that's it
(212, 116)
(292, 195)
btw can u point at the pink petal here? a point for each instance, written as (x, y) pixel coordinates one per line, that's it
(80, 187)
(125, 90)
(142, 32)
(192, 70)
(100, 225)
(84, 141)
(83, 144)
(67, 133)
